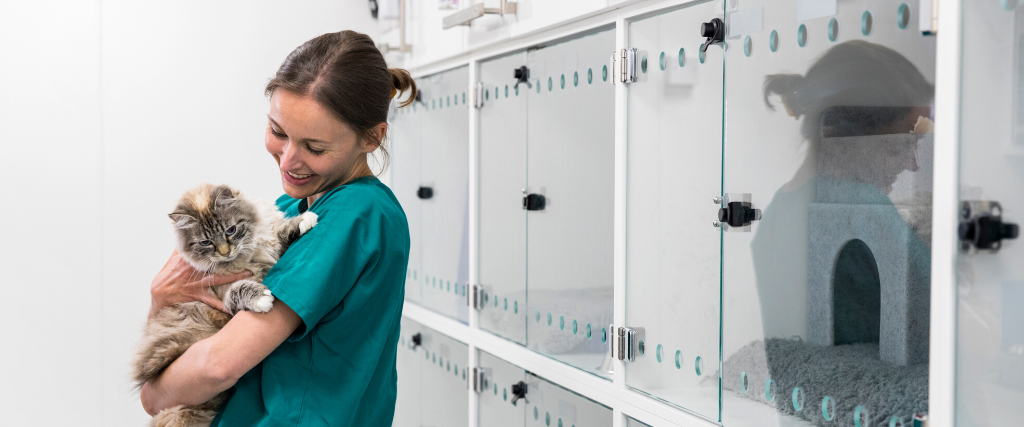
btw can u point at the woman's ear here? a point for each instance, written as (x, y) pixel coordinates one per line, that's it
(377, 135)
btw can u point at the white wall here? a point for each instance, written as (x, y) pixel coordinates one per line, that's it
(110, 110)
(50, 127)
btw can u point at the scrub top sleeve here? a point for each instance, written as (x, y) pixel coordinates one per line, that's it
(322, 266)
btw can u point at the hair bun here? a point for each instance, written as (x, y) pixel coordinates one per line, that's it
(403, 82)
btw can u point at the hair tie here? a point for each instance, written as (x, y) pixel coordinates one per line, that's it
(393, 92)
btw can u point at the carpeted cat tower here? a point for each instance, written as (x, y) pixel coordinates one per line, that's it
(868, 271)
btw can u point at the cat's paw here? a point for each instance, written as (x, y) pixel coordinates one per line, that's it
(308, 222)
(264, 303)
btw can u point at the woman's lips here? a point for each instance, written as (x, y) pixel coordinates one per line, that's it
(298, 182)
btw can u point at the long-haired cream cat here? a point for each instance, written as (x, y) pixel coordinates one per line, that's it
(219, 232)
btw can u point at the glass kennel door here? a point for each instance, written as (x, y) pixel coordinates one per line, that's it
(502, 225)
(571, 165)
(827, 180)
(673, 287)
(990, 310)
(444, 130)
(406, 165)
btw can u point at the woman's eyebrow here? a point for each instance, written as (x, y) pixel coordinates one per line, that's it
(303, 139)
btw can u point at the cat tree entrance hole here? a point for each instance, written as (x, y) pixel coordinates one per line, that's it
(857, 291)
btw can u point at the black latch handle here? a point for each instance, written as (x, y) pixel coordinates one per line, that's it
(519, 391)
(714, 30)
(533, 202)
(417, 340)
(425, 192)
(738, 214)
(522, 75)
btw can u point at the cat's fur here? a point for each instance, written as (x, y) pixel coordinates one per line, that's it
(203, 219)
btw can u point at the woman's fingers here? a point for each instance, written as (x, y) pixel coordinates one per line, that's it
(221, 279)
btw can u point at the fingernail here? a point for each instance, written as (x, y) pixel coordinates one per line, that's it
(248, 273)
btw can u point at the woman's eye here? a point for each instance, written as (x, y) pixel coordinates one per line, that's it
(314, 151)
(205, 243)
(229, 231)
(276, 133)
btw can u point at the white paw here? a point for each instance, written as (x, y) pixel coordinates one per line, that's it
(308, 222)
(264, 304)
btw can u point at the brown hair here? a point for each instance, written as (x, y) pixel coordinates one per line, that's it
(347, 75)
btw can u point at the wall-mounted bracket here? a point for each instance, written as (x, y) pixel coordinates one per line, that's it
(402, 47)
(467, 15)
(626, 343)
(982, 227)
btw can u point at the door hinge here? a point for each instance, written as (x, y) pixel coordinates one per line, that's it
(475, 297)
(736, 212)
(480, 380)
(628, 65)
(626, 343)
(478, 95)
(982, 226)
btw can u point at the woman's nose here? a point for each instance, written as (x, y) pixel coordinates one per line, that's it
(289, 157)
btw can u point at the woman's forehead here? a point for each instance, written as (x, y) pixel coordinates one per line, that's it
(302, 117)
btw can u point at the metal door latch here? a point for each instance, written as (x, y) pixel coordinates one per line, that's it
(714, 30)
(982, 226)
(425, 192)
(417, 340)
(522, 75)
(626, 343)
(533, 202)
(736, 211)
(519, 391)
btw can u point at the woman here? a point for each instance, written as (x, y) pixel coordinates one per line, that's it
(325, 354)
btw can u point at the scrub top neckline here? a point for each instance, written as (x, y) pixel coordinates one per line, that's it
(303, 203)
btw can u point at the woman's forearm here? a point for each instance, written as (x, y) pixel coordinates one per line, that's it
(191, 380)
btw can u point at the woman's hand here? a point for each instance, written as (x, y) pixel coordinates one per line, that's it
(178, 282)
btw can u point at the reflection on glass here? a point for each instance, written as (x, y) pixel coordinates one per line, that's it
(828, 293)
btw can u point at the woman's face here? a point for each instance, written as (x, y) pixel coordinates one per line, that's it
(315, 152)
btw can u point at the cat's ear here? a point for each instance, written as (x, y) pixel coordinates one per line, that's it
(224, 196)
(182, 220)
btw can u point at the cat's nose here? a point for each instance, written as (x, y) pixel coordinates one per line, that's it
(223, 249)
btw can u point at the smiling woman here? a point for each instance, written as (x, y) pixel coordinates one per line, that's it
(329, 103)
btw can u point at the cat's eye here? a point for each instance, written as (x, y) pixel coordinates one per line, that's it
(229, 231)
(205, 243)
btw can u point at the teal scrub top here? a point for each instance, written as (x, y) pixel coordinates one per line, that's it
(346, 279)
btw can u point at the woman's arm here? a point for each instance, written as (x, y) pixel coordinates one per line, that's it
(213, 365)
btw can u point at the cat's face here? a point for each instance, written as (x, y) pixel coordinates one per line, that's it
(214, 225)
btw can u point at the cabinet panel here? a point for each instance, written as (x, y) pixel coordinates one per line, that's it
(990, 318)
(409, 364)
(570, 163)
(828, 148)
(406, 164)
(444, 130)
(498, 404)
(673, 287)
(444, 388)
(502, 223)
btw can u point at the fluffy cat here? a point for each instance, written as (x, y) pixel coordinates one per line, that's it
(218, 232)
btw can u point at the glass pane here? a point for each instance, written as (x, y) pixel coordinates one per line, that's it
(551, 405)
(445, 246)
(673, 286)
(409, 365)
(498, 404)
(571, 163)
(990, 318)
(443, 391)
(406, 164)
(828, 154)
(502, 225)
